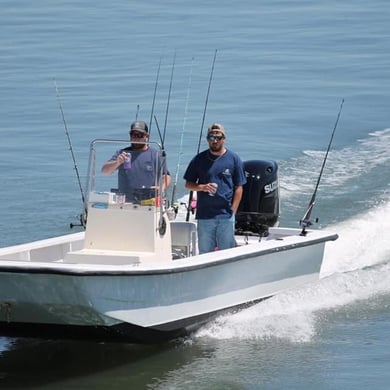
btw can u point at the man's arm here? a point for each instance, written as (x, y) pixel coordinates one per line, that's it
(166, 181)
(209, 187)
(237, 198)
(110, 166)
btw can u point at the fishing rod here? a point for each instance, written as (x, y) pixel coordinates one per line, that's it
(83, 217)
(182, 134)
(137, 112)
(159, 132)
(201, 132)
(207, 99)
(154, 95)
(169, 96)
(305, 221)
(162, 225)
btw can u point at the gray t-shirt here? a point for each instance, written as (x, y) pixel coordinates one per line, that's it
(145, 166)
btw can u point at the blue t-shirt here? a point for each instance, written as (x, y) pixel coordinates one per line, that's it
(227, 171)
(146, 166)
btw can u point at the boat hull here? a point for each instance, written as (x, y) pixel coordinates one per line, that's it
(152, 302)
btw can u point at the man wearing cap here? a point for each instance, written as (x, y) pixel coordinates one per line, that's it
(217, 174)
(144, 165)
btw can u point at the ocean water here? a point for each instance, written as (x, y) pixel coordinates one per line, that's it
(282, 69)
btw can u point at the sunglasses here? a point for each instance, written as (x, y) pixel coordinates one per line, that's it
(137, 135)
(215, 137)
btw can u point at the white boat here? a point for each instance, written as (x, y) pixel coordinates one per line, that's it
(135, 274)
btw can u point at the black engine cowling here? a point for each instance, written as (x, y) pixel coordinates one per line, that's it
(259, 206)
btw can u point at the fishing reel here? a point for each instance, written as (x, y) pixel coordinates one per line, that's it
(305, 223)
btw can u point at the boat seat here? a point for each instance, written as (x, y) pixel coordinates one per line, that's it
(183, 237)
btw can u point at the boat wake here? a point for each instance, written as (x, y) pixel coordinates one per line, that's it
(342, 167)
(356, 178)
(356, 269)
(363, 242)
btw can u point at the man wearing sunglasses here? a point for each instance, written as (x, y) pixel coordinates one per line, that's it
(217, 174)
(138, 165)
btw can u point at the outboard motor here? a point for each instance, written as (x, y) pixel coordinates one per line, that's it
(259, 206)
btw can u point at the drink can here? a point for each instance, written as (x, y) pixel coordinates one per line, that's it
(215, 185)
(127, 163)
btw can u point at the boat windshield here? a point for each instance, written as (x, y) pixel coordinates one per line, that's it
(138, 180)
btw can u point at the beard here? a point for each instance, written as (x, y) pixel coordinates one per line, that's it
(137, 146)
(216, 147)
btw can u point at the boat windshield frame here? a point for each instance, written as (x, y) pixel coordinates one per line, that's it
(94, 167)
